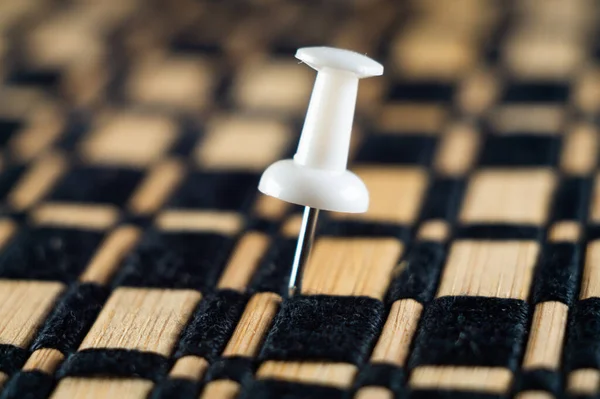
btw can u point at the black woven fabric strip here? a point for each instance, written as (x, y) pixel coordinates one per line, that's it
(471, 331)
(273, 389)
(328, 328)
(232, 191)
(571, 201)
(269, 227)
(212, 324)
(418, 279)
(28, 385)
(91, 184)
(72, 317)
(115, 363)
(8, 127)
(12, 358)
(538, 380)
(557, 274)
(404, 149)
(8, 178)
(237, 368)
(537, 91)
(593, 232)
(443, 199)
(522, 150)
(273, 272)
(48, 253)
(581, 396)
(189, 132)
(382, 375)
(498, 232)
(47, 79)
(78, 123)
(583, 348)
(176, 260)
(421, 92)
(176, 389)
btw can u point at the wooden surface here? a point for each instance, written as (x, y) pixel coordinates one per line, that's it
(137, 259)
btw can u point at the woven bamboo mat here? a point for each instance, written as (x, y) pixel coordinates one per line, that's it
(138, 260)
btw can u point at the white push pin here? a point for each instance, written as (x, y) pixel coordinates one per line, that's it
(317, 176)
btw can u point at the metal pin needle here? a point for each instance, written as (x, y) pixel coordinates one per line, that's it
(306, 238)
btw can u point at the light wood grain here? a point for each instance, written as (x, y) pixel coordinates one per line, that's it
(242, 142)
(219, 222)
(479, 379)
(270, 208)
(45, 360)
(102, 388)
(586, 90)
(501, 269)
(595, 202)
(23, 307)
(253, 325)
(97, 217)
(128, 139)
(583, 382)
(3, 378)
(534, 395)
(533, 119)
(351, 266)
(176, 82)
(221, 389)
(7, 231)
(393, 345)
(62, 39)
(13, 12)
(410, 118)
(422, 52)
(114, 248)
(374, 393)
(282, 86)
(245, 259)
(434, 230)
(85, 81)
(395, 193)
(189, 367)
(18, 101)
(338, 375)
(38, 180)
(590, 281)
(478, 91)
(580, 150)
(565, 231)
(532, 55)
(157, 186)
(142, 319)
(43, 128)
(544, 348)
(457, 150)
(495, 196)
(291, 227)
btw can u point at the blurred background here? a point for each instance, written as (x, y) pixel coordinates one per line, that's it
(126, 82)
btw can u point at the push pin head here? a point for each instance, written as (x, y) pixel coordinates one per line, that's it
(317, 176)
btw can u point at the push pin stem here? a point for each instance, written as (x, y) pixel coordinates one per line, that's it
(317, 176)
(303, 247)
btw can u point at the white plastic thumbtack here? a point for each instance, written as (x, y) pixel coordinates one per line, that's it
(317, 176)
